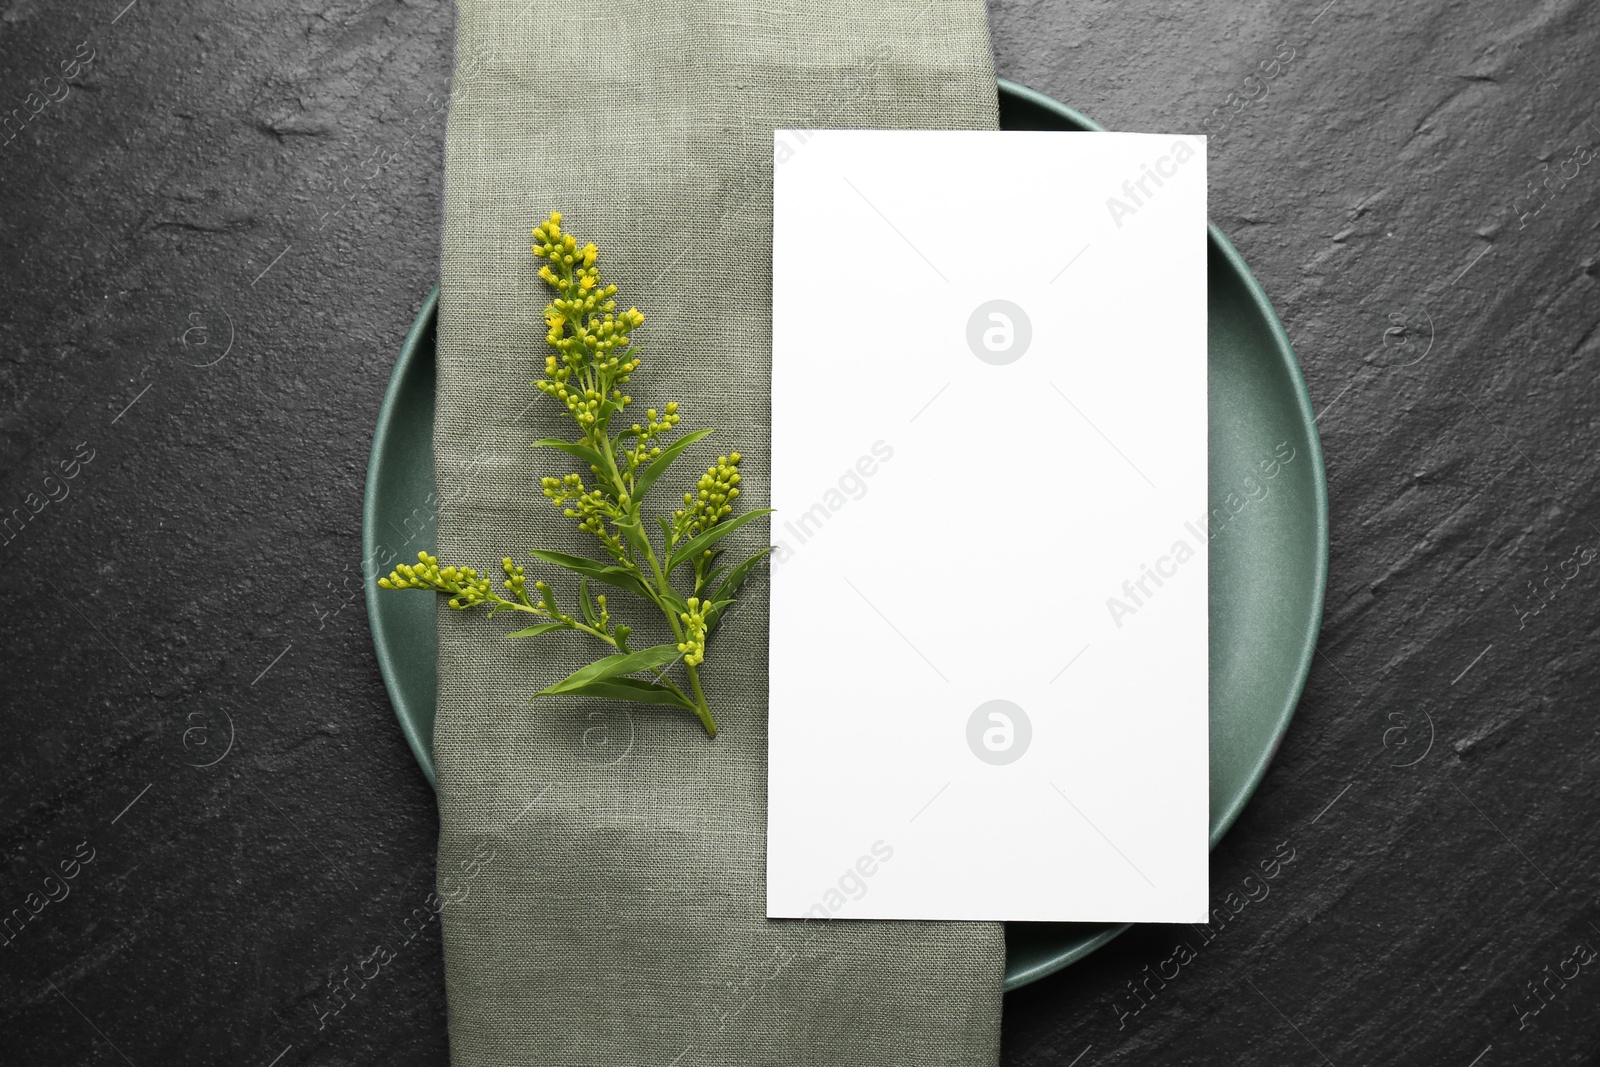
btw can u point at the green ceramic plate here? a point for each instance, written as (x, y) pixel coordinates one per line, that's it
(1269, 551)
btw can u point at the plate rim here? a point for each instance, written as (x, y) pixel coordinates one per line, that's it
(422, 748)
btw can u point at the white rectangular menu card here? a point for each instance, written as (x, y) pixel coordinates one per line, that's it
(988, 617)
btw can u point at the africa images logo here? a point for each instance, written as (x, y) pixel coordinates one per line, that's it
(998, 732)
(999, 332)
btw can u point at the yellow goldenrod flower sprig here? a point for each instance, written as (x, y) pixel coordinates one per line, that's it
(592, 360)
(467, 589)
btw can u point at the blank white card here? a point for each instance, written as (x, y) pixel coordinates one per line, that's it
(988, 640)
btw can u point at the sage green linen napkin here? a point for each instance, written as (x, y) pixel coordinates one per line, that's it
(603, 865)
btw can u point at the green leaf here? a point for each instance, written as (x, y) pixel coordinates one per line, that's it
(722, 598)
(620, 577)
(586, 603)
(631, 530)
(582, 452)
(711, 576)
(547, 597)
(659, 465)
(612, 666)
(714, 613)
(633, 689)
(730, 585)
(666, 531)
(621, 631)
(675, 599)
(542, 628)
(693, 547)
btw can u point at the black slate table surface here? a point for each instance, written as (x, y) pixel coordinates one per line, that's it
(219, 220)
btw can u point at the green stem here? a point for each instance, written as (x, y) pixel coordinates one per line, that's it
(664, 586)
(702, 709)
(520, 607)
(681, 694)
(600, 438)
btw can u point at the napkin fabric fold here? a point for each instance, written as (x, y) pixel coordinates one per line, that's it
(603, 864)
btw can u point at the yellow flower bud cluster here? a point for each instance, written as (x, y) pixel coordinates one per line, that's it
(584, 406)
(463, 584)
(656, 424)
(713, 497)
(516, 579)
(589, 506)
(585, 328)
(693, 645)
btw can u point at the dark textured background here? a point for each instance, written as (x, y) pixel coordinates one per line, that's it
(257, 186)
